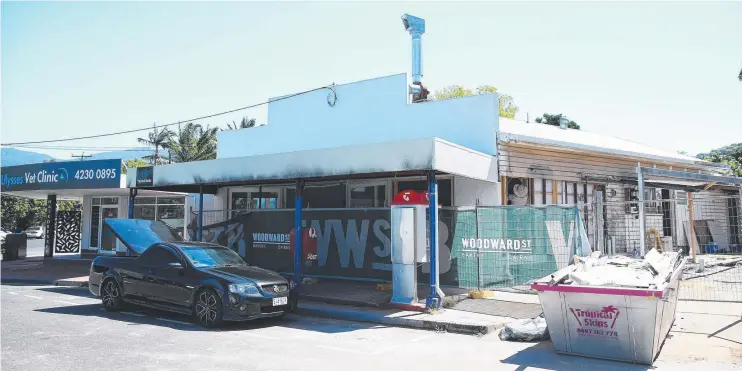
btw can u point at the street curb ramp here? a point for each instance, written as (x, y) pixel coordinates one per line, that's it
(359, 315)
(38, 281)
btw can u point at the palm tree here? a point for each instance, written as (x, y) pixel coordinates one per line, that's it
(244, 124)
(192, 143)
(157, 139)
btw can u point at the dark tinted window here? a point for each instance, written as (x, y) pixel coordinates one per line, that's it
(328, 196)
(158, 256)
(209, 256)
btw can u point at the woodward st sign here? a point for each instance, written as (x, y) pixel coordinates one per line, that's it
(62, 175)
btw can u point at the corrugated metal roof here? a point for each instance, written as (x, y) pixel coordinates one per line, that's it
(512, 130)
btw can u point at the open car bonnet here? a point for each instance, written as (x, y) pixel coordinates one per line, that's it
(139, 234)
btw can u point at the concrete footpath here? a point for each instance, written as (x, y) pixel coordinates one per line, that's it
(40, 271)
(448, 320)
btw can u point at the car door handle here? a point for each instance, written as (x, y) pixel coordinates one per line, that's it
(151, 279)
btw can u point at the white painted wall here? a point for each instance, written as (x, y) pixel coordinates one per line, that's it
(471, 192)
(369, 111)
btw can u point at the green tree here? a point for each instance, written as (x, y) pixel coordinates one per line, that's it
(157, 139)
(554, 120)
(192, 142)
(244, 124)
(132, 163)
(730, 155)
(508, 108)
(14, 210)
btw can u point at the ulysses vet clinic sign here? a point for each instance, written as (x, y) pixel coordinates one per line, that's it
(94, 174)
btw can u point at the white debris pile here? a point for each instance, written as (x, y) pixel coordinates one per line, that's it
(532, 329)
(620, 271)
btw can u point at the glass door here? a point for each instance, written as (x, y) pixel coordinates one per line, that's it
(107, 238)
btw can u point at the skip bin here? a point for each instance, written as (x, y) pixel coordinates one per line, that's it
(616, 323)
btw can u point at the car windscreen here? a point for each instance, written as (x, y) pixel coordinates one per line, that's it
(138, 234)
(210, 256)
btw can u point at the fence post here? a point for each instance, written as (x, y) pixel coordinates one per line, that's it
(642, 221)
(298, 206)
(479, 251)
(434, 300)
(599, 243)
(200, 229)
(692, 228)
(132, 195)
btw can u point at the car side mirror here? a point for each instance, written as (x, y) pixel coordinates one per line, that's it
(175, 265)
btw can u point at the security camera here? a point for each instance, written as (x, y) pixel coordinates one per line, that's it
(413, 24)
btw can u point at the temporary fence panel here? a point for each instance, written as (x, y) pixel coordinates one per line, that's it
(506, 247)
(715, 236)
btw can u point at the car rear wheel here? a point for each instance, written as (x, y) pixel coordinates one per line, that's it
(208, 308)
(111, 295)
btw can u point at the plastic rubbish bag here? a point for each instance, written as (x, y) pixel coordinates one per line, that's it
(526, 330)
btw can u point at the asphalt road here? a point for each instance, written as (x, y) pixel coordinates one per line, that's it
(58, 328)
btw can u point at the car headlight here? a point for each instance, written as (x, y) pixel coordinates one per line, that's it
(247, 289)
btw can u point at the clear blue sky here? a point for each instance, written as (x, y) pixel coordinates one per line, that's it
(659, 73)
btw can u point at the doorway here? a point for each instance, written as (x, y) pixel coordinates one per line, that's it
(107, 238)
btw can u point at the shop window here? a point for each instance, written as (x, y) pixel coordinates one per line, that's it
(239, 201)
(445, 189)
(242, 201)
(519, 191)
(169, 209)
(329, 196)
(367, 195)
(146, 212)
(109, 200)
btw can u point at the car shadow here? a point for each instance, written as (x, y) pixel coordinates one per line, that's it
(542, 356)
(136, 315)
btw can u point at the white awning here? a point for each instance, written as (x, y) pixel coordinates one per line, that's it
(382, 159)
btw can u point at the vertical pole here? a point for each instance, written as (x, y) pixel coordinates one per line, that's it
(599, 243)
(298, 205)
(199, 231)
(479, 252)
(691, 223)
(51, 225)
(504, 190)
(433, 299)
(739, 216)
(260, 199)
(642, 221)
(132, 195)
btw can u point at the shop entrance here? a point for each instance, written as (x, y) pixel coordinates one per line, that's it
(107, 238)
(101, 238)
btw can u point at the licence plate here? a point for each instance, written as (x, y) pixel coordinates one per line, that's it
(280, 301)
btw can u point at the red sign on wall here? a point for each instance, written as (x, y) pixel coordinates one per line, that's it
(308, 243)
(409, 198)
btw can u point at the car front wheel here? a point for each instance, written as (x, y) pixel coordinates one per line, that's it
(208, 308)
(111, 295)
